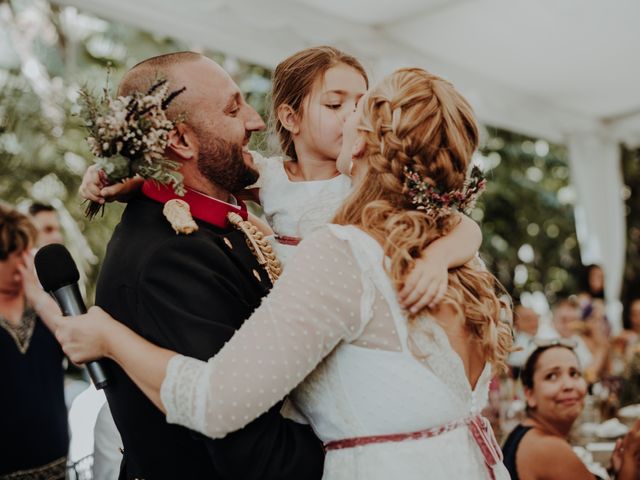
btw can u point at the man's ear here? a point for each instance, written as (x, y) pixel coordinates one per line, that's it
(182, 142)
(288, 118)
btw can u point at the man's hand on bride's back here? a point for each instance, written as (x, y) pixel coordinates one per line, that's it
(96, 188)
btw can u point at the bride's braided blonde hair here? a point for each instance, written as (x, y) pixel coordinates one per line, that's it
(418, 120)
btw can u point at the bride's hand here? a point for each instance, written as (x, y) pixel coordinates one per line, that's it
(425, 285)
(96, 188)
(86, 337)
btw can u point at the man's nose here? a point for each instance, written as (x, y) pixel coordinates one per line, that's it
(253, 121)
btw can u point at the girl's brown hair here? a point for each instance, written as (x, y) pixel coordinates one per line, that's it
(418, 120)
(17, 233)
(293, 80)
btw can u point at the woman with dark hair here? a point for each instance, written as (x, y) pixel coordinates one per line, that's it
(33, 417)
(593, 282)
(631, 321)
(629, 342)
(555, 389)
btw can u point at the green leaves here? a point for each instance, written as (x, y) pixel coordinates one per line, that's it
(522, 207)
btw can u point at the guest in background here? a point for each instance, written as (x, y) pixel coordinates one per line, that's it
(34, 435)
(555, 390)
(592, 284)
(592, 295)
(47, 222)
(525, 325)
(630, 336)
(595, 335)
(630, 341)
(569, 325)
(45, 218)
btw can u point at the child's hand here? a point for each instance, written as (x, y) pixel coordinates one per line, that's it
(96, 188)
(425, 285)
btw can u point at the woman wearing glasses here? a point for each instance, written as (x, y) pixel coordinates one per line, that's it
(555, 389)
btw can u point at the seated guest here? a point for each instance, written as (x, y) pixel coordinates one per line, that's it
(630, 389)
(554, 390)
(569, 325)
(592, 285)
(525, 327)
(630, 336)
(33, 417)
(595, 335)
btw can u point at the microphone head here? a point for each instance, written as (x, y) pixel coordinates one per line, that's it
(55, 267)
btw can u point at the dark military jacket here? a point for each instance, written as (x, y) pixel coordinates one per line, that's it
(189, 293)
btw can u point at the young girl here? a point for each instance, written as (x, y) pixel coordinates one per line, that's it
(314, 92)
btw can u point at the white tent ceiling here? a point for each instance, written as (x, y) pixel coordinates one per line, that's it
(548, 68)
(564, 70)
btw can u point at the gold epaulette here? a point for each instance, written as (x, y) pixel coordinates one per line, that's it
(179, 215)
(260, 247)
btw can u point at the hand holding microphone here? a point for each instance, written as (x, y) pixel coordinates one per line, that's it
(59, 276)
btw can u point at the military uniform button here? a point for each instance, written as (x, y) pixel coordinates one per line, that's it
(228, 243)
(257, 275)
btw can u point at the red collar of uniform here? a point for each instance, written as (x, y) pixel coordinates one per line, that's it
(203, 207)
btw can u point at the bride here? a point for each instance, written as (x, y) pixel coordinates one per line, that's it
(390, 394)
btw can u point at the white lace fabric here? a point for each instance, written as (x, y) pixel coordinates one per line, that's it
(316, 304)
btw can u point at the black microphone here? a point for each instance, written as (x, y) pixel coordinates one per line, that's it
(59, 276)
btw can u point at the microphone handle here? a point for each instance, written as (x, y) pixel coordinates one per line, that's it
(71, 303)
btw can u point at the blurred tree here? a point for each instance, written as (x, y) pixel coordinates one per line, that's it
(631, 175)
(526, 215)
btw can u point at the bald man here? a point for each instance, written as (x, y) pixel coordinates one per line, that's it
(189, 293)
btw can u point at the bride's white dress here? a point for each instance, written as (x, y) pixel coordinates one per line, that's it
(333, 331)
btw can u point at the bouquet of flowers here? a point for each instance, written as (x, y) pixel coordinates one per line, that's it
(129, 135)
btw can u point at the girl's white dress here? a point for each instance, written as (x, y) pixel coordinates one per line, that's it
(294, 209)
(333, 332)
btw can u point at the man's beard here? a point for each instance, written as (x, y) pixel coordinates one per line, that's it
(222, 163)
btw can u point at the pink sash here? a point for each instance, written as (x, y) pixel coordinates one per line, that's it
(478, 426)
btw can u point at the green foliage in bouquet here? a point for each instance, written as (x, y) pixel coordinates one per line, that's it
(129, 135)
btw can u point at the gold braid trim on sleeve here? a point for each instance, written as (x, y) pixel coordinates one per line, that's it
(178, 213)
(260, 247)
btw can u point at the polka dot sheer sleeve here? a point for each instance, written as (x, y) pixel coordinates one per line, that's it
(319, 301)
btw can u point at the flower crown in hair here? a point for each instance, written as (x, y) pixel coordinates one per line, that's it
(430, 199)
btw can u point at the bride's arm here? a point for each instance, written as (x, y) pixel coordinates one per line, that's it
(96, 335)
(315, 305)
